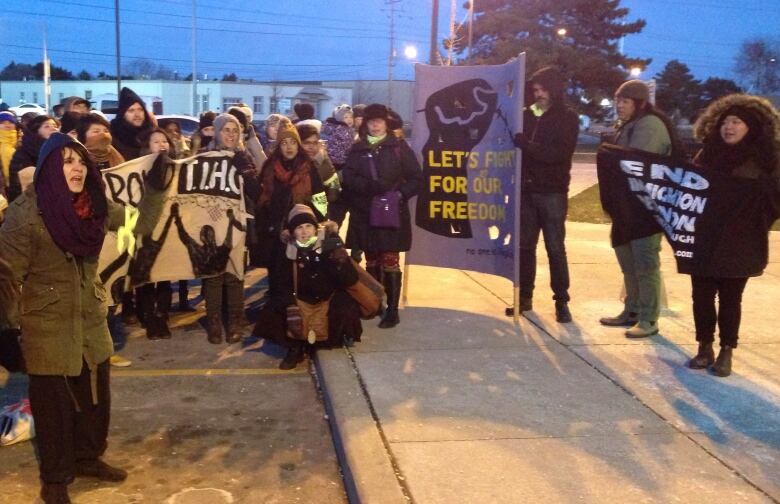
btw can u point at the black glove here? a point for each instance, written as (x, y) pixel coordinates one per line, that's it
(521, 141)
(161, 173)
(331, 243)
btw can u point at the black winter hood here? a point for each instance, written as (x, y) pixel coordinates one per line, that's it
(552, 80)
(127, 97)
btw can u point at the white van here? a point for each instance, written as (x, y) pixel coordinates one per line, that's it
(109, 103)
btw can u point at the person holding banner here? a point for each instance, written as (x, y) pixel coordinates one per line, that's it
(52, 239)
(381, 164)
(548, 142)
(741, 140)
(642, 127)
(228, 136)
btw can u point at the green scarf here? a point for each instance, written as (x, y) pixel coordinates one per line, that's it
(372, 140)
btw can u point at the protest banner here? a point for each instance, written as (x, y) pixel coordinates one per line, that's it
(692, 205)
(200, 232)
(466, 214)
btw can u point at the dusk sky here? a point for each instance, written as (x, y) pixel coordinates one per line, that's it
(334, 39)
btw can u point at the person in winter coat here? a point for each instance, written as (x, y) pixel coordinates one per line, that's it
(52, 239)
(180, 144)
(9, 137)
(205, 133)
(95, 133)
(378, 163)
(337, 131)
(312, 146)
(131, 120)
(228, 137)
(253, 146)
(548, 140)
(38, 131)
(322, 270)
(155, 298)
(645, 128)
(741, 141)
(288, 178)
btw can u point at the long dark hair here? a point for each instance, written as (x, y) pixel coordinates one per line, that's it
(758, 145)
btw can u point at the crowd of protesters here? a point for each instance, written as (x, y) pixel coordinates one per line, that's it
(301, 178)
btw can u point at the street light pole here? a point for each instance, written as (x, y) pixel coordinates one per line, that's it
(195, 107)
(434, 57)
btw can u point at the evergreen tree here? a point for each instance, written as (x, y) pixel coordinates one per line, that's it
(677, 92)
(587, 51)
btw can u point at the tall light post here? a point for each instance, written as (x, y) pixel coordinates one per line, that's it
(118, 53)
(434, 55)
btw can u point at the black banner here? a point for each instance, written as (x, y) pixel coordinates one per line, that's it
(646, 194)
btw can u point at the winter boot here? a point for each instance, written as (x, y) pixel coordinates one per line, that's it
(234, 329)
(703, 358)
(722, 366)
(294, 356)
(562, 313)
(184, 291)
(55, 493)
(214, 328)
(392, 281)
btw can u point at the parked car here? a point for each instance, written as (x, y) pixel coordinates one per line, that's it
(187, 124)
(24, 108)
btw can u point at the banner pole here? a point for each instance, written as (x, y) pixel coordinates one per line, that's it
(518, 188)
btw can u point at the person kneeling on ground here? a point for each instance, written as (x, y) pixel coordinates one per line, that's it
(320, 312)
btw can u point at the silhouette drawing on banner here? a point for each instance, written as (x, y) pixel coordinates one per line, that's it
(458, 117)
(208, 259)
(146, 255)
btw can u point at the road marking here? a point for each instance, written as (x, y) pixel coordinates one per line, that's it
(207, 372)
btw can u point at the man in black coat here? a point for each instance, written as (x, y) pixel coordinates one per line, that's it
(548, 142)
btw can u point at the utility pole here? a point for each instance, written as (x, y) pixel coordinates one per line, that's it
(471, 26)
(195, 107)
(434, 57)
(118, 53)
(453, 9)
(391, 56)
(46, 72)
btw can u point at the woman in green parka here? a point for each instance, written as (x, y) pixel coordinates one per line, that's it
(52, 238)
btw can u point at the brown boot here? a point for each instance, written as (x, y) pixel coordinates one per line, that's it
(234, 329)
(55, 493)
(214, 328)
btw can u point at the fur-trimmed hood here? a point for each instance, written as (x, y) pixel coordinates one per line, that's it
(763, 108)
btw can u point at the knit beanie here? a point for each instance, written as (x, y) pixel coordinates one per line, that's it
(127, 97)
(246, 109)
(340, 111)
(287, 130)
(207, 119)
(240, 115)
(304, 111)
(300, 214)
(314, 123)
(634, 89)
(7, 116)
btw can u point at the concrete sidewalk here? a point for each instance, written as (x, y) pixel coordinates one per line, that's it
(459, 405)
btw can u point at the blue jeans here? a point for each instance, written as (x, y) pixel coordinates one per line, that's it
(545, 213)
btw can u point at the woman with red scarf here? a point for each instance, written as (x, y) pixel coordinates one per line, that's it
(52, 238)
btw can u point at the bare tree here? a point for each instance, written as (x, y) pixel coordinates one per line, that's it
(758, 65)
